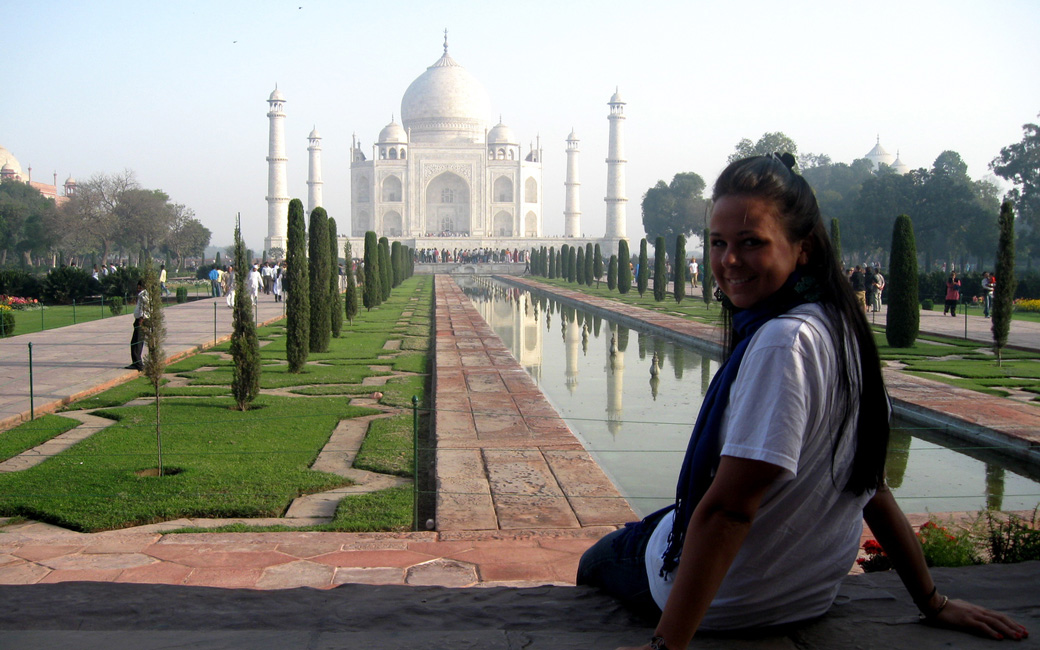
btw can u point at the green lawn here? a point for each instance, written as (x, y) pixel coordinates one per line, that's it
(226, 463)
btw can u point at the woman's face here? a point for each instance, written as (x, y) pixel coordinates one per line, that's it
(751, 256)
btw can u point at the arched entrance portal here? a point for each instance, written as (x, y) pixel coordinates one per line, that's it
(447, 205)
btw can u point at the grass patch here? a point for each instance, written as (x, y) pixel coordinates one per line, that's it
(387, 448)
(30, 434)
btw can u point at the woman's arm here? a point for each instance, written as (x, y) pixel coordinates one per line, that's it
(717, 530)
(891, 529)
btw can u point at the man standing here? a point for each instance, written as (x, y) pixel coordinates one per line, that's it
(694, 270)
(162, 280)
(214, 282)
(989, 283)
(140, 319)
(859, 286)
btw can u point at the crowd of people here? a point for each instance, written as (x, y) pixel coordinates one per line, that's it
(469, 256)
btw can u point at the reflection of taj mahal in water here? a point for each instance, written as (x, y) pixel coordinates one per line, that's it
(442, 174)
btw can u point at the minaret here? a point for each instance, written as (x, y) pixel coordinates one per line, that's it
(616, 170)
(572, 205)
(277, 179)
(314, 171)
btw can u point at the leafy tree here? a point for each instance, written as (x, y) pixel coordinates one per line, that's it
(91, 211)
(29, 222)
(679, 281)
(386, 278)
(154, 327)
(643, 272)
(188, 237)
(589, 264)
(624, 267)
(612, 269)
(319, 271)
(143, 217)
(775, 142)
(350, 299)
(1019, 163)
(597, 263)
(904, 317)
(579, 266)
(245, 347)
(836, 238)
(296, 284)
(1003, 294)
(373, 291)
(660, 270)
(674, 209)
(335, 298)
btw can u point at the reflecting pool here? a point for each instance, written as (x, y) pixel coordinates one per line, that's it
(632, 399)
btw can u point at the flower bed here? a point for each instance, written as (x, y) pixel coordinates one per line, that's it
(16, 303)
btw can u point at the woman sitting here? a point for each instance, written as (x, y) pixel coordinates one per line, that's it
(787, 456)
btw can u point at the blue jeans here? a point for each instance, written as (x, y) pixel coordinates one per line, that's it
(616, 564)
(987, 304)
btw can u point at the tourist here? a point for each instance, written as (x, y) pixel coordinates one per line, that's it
(787, 456)
(140, 320)
(214, 282)
(694, 271)
(254, 281)
(953, 294)
(859, 287)
(989, 283)
(162, 280)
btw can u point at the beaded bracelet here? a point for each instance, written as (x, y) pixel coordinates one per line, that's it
(935, 613)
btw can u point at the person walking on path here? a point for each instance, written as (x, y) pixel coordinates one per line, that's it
(694, 270)
(953, 294)
(787, 456)
(140, 319)
(214, 282)
(989, 283)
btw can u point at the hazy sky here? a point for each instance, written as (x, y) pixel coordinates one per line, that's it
(176, 91)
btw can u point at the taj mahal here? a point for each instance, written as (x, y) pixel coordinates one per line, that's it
(444, 173)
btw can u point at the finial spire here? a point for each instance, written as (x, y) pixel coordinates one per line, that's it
(445, 40)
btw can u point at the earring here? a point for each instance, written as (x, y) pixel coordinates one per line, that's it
(718, 294)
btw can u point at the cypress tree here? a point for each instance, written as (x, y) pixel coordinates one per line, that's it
(397, 263)
(565, 268)
(836, 238)
(335, 298)
(154, 331)
(643, 273)
(216, 261)
(597, 263)
(624, 267)
(612, 273)
(552, 262)
(386, 276)
(350, 299)
(544, 256)
(245, 348)
(572, 264)
(297, 290)
(588, 264)
(903, 320)
(1004, 293)
(579, 268)
(373, 293)
(660, 270)
(318, 259)
(707, 294)
(679, 263)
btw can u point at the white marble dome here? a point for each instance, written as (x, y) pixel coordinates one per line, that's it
(314, 135)
(276, 96)
(446, 104)
(502, 134)
(392, 133)
(899, 166)
(878, 156)
(7, 159)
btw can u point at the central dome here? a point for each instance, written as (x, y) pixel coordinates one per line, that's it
(445, 104)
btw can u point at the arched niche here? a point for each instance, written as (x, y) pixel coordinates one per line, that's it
(502, 224)
(531, 191)
(392, 224)
(391, 189)
(447, 204)
(503, 190)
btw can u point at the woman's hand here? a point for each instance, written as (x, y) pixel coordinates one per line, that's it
(966, 617)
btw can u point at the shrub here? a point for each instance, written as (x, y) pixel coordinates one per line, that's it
(122, 282)
(876, 559)
(1005, 272)
(927, 304)
(612, 273)
(68, 283)
(1014, 539)
(679, 279)
(318, 259)
(6, 321)
(115, 305)
(297, 290)
(182, 295)
(335, 299)
(660, 269)
(903, 320)
(579, 268)
(372, 294)
(624, 277)
(19, 283)
(943, 548)
(643, 273)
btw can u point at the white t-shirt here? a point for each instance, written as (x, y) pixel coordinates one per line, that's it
(804, 539)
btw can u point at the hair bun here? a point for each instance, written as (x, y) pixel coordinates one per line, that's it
(787, 159)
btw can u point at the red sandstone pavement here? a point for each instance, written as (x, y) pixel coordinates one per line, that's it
(533, 503)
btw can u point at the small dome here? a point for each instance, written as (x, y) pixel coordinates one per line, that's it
(501, 134)
(70, 181)
(276, 96)
(899, 166)
(392, 133)
(573, 137)
(7, 168)
(616, 98)
(314, 134)
(7, 159)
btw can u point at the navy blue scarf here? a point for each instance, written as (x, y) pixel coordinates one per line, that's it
(703, 453)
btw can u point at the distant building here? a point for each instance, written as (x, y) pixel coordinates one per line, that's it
(878, 156)
(11, 169)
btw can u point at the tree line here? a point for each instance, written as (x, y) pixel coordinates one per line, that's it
(108, 216)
